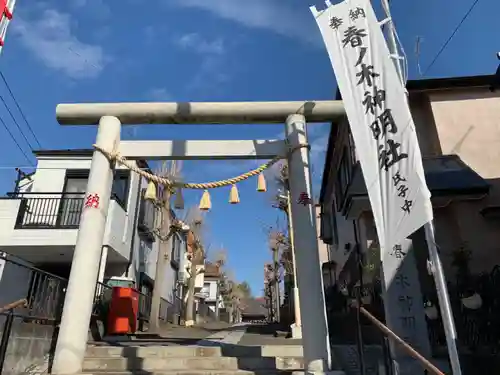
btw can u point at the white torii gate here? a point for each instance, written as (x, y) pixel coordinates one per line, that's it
(73, 333)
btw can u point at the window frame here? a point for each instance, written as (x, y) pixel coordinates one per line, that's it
(118, 175)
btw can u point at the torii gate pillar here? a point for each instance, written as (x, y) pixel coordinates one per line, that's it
(78, 302)
(315, 336)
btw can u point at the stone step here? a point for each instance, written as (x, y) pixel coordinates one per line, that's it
(195, 372)
(206, 372)
(194, 351)
(193, 363)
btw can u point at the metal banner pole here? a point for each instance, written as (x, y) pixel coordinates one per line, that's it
(437, 268)
(443, 298)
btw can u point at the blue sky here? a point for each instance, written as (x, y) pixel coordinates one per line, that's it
(200, 50)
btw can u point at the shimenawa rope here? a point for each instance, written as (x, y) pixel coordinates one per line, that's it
(115, 156)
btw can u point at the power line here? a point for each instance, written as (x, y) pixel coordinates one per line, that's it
(443, 47)
(15, 122)
(20, 109)
(15, 141)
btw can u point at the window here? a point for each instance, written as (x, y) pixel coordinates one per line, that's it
(352, 149)
(120, 187)
(335, 229)
(177, 245)
(206, 289)
(73, 196)
(77, 180)
(343, 177)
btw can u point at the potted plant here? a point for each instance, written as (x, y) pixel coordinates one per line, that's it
(431, 311)
(468, 295)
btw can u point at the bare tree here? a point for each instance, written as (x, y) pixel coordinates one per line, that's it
(245, 289)
(163, 232)
(218, 259)
(286, 260)
(231, 293)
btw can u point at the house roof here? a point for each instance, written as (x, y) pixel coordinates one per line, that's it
(444, 175)
(212, 270)
(78, 152)
(447, 83)
(418, 85)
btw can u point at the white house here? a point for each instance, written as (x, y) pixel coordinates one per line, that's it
(211, 292)
(39, 222)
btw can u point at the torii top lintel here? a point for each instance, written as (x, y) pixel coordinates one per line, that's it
(199, 112)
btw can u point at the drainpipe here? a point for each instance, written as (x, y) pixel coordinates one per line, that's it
(134, 230)
(359, 258)
(18, 180)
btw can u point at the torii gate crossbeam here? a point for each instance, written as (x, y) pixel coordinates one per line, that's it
(72, 339)
(199, 112)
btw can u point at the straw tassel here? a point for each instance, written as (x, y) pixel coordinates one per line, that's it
(179, 199)
(205, 203)
(150, 194)
(261, 183)
(234, 197)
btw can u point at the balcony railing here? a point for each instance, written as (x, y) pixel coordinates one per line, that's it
(49, 210)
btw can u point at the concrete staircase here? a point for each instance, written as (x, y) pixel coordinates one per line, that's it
(194, 360)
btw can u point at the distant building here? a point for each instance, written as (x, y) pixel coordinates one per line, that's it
(210, 294)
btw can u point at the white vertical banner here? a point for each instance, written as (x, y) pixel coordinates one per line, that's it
(380, 119)
(6, 11)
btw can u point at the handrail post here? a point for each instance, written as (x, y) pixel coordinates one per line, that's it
(5, 338)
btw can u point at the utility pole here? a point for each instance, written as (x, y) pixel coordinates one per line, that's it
(276, 282)
(284, 204)
(297, 327)
(161, 261)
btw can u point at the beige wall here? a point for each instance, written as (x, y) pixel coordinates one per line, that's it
(425, 127)
(468, 124)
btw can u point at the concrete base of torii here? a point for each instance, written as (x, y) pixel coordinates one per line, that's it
(296, 331)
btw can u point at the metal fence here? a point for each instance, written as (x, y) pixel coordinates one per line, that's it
(50, 210)
(476, 310)
(43, 291)
(171, 311)
(29, 331)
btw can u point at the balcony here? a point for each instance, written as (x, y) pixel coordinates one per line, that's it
(147, 218)
(50, 210)
(44, 226)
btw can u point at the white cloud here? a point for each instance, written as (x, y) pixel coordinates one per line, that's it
(274, 15)
(159, 94)
(96, 8)
(50, 38)
(211, 70)
(194, 42)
